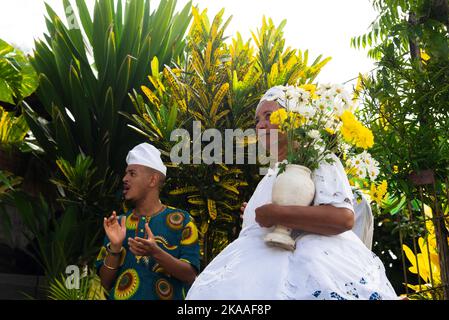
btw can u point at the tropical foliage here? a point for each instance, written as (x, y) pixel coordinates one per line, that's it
(86, 66)
(84, 81)
(18, 79)
(406, 104)
(218, 86)
(89, 289)
(110, 78)
(12, 130)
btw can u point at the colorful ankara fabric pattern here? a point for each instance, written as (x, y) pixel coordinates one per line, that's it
(142, 278)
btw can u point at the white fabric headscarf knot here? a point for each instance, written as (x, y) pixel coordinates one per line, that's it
(147, 155)
(280, 94)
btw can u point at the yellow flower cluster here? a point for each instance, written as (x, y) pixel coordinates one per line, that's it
(279, 116)
(379, 192)
(355, 133)
(282, 118)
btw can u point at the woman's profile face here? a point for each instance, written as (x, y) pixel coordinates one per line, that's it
(266, 108)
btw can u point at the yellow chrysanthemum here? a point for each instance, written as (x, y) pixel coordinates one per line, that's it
(354, 132)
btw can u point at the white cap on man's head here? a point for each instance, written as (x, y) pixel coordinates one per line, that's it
(147, 155)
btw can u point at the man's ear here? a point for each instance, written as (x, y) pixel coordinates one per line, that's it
(154, 180)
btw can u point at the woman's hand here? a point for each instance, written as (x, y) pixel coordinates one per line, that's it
(144, 247)
(115, 231)
(266, 215)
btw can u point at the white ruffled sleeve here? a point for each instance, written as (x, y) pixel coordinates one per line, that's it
(332, 185)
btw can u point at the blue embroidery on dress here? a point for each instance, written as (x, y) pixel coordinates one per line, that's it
(316, 293)
(362, 281)
(335, 295)
(375, 296)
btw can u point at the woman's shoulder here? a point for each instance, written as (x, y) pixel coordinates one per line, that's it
(331, 165)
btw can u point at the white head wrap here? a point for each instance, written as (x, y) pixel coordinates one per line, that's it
(276, 93)
(146, 155)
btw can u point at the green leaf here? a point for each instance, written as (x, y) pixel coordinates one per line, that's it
(18, 79)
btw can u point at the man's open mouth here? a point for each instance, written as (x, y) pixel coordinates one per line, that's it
(126, 189)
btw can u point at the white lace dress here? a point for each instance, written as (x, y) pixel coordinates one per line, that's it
(321, 267)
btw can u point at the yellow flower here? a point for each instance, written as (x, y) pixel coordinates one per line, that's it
(296, 120)
(354, 132)
(421, 261)
(278, 117)
(331, 131)
(365, 139)
(382, 188)
(395, 169)
(424, 56)
(425, 263)
(378, 193)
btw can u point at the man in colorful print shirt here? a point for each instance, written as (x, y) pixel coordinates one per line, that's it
(151, 252)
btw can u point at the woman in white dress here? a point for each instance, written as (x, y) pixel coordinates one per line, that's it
(329, 262)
